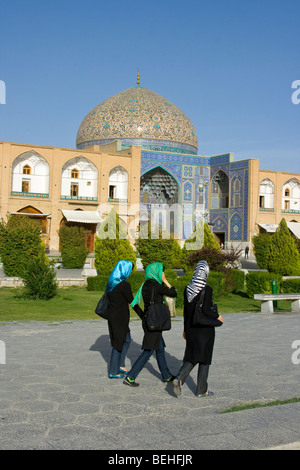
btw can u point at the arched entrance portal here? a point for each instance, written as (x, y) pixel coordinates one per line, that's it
(41, 220)
(160, 190)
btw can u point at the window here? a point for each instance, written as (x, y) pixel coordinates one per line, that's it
(74, 189)
(266, 195)
(112, 192)
(118, 183)
(287, 204)
(25, 186)
(287, 192)
(74, 173)
(26, 170)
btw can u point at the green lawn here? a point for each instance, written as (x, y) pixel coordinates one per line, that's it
(77, 303)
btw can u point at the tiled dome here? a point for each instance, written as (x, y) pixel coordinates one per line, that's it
(139, 116)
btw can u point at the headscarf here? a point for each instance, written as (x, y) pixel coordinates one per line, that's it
(120, 273)
(153, 271)
(198, 281)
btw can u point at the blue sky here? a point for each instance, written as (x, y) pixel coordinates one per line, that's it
(229, 65)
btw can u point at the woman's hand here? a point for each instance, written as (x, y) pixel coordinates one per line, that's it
(220, 318)
(164, 280)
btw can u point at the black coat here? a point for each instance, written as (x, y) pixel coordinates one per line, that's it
(118, 314)
(152, 339)
(199, 340)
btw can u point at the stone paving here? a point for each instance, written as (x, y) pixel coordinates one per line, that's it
(55, 394)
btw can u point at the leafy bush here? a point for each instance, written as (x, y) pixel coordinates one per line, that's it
(217, 260)
(112, 245)
(39, 279)
(19, 242)
(260, 282)
(73, 249)
(213, 257)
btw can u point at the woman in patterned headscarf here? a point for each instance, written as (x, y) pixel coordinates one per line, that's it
(200, 339)
(120, 296)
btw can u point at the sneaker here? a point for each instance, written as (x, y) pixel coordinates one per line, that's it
(177, 387)
(207, 394)
(113, 376)
(170, 379)
(130, 382)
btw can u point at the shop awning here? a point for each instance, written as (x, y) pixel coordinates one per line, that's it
(294, 227)
(31, 214)
(269, 227)
(84, 217)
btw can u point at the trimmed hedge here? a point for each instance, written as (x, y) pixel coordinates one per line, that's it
(217, 280)
(236, 278)
(73, 249)
(260, 282)
(291, 286)
(98, 283)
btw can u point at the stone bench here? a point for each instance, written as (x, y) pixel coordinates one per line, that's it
(267, 301)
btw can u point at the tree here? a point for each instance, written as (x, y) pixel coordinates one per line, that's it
(283, 255)
(20, 242)
(261, 245)
(111, 244)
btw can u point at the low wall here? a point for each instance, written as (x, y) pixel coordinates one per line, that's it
(17, 282)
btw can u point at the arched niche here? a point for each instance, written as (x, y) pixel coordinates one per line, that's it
(220, 190)
(118, 184)
(79, 179)
(30, 174)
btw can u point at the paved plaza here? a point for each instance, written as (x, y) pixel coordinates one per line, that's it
(55, 394)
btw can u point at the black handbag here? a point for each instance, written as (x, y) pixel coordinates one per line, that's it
(199, 318)
(103, 306)
(158, 316)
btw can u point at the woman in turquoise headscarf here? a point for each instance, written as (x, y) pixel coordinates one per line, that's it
(155, 280)
(120, 296)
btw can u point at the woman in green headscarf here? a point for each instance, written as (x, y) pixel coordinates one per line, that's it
(155, 280)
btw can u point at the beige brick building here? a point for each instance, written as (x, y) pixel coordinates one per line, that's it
(136, 151)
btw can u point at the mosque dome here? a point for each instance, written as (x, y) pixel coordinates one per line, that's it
(139, 116)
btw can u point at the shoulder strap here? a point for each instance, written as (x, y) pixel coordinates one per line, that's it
(201, 297)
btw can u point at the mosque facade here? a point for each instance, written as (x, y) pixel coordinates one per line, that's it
(138, 152)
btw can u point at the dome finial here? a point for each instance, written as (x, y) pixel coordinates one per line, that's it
(138, 77)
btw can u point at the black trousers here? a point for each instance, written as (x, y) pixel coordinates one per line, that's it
(202, 376)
